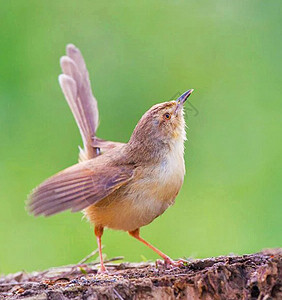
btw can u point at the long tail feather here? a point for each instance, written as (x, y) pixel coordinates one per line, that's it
(76, 87)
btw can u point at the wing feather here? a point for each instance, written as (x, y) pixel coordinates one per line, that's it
(77, 188)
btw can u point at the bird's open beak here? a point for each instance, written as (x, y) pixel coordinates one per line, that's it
(180, 101)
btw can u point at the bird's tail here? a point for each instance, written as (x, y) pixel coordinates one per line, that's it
(76, 87)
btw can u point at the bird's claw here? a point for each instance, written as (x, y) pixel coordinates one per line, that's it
(176, 263)
(102, 270)
(169, 262)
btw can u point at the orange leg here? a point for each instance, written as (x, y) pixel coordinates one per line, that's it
(98, 233)
(167, 259)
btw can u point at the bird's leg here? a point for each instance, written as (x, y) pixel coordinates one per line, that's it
(98, 233)
(167, 259)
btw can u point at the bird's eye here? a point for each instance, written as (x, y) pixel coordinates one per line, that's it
(167, 116)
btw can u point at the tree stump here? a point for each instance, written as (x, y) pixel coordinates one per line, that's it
(254, 276)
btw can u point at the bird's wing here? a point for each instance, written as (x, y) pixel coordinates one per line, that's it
(76, 87)
(77, 187)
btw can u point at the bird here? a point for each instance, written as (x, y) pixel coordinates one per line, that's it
(121, 186)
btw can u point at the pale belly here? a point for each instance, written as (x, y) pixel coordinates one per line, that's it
(142, 200)
(126, 214)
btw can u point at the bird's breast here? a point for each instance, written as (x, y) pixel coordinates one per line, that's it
(151, 191)
(168, 175)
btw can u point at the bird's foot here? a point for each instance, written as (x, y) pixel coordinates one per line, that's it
(173, 263)
(176, 263)
(102, 270)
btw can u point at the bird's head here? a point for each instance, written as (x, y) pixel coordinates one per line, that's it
(163, 123)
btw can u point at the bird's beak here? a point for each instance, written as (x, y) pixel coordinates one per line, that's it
(180, 101)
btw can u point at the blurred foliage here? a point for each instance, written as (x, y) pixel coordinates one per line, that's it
(138, 54)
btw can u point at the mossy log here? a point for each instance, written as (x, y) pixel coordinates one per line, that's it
(253, 276)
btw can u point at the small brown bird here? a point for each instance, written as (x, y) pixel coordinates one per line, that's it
(116, 185)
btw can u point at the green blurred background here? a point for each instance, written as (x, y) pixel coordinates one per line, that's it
(138, 54)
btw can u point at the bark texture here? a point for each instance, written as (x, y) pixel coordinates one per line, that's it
(254, 276)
